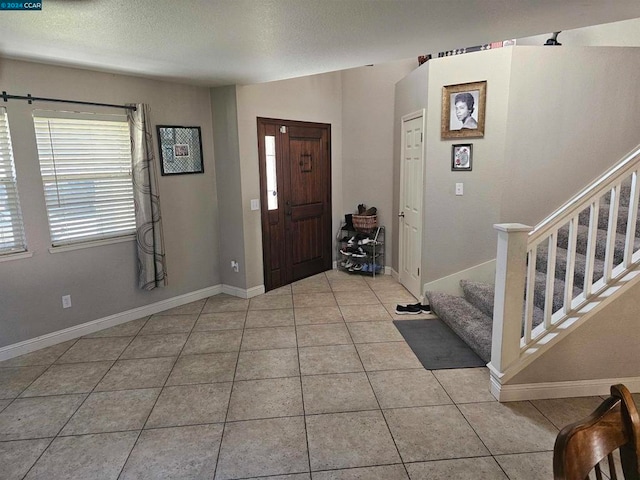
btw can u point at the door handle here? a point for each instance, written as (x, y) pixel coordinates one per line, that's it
(401, 215)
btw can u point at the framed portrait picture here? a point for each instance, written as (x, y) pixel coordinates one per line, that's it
(461, 157)
(180, 150)
(463, 108)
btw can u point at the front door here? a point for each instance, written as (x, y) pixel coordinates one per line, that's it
(411, 203)
(295, 183)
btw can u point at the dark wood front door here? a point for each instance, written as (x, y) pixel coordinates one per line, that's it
(295, 184)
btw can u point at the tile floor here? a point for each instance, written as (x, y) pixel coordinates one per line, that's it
(311, 381)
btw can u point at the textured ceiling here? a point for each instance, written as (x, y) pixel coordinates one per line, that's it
(221, 42)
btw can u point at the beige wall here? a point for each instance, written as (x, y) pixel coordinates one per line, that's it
(228, 180)
(458, 230)
(314, 99)
(367, 141)
(573, 112)
(102, 280)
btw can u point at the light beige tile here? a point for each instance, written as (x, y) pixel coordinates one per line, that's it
(483, 468)
(385, 472)
(387, 356)
(220, 321)
(563, 411)
(323, 334)
(213, 342)
(275, 446)
(356, 298)
(329, 359)
(112, 412)
(407, 388)
(258, 364)
(225, 303)
(13, 381)
(270, 318)
(70, 378)
(45, 356)
(370, 332)
(311, 285)
(515, 427)
(95, 349)
(161, 324)
(527, 466)
(382, 282)
(302, 300)
(295, 476)
(139, 373)
(177, 452)
(317, 315)
(207, 368)
(433, 433)
(17, 457)
(150, 346)
(395, 295)
(270, 302)
(193, 308)
(466, 385)
(37, 417)
(345, 392)
(128, 329)
(365, 313)
(356, 284)
(255, 399)
(365, 433)
(269, 338)
(4, 403)
(87, 456)
(190, 405)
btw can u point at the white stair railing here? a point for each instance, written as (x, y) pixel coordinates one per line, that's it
(530, 260)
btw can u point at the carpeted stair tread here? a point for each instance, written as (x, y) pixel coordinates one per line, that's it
(469, 323)
(603, 219)
(601, 242)
(558, 292)
(561, 265)
(481, 296)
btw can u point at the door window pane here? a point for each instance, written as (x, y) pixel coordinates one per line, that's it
(272, 179)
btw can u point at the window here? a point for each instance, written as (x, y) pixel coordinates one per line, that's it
(11, 228)
(85, 161)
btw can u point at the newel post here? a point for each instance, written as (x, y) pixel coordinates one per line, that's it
(511, 270)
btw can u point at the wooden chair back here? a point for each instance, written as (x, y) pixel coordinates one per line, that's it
(581, 446)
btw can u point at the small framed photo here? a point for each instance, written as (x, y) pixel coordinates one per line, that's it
(461, 157)
(180, 150)
(463, 108)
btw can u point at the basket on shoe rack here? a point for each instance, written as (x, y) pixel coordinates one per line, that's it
(365, 223)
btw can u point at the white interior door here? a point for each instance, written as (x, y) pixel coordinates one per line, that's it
(410, 224)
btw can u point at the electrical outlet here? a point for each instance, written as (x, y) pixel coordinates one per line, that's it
(235, 266)
(66, 301)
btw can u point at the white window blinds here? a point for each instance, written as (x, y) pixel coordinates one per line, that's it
(11, 228)
(85, 161)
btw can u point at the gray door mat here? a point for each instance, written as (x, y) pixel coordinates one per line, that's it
(436, 345)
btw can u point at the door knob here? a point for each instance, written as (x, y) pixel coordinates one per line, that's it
(401, 215)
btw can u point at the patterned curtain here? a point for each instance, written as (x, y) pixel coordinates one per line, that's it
(152, 270)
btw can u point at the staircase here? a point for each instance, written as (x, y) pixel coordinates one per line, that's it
(546, 274)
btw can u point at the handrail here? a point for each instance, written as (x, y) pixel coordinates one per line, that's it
(583, 198)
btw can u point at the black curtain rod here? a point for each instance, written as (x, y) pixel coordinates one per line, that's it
(6, 97)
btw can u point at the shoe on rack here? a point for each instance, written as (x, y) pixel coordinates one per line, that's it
(351, 241)
(357, 267)
(423, 308)
(408, 310)
(365, 267)
(344, 252)
(360, 253)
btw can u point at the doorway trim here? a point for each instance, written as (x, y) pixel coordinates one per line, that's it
(414, 286)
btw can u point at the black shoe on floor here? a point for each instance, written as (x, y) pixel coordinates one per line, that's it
(408, 309)
(424, 308)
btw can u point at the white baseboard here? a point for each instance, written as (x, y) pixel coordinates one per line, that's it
(241, 292)
(576, 388)
(76, 331)
(485, 272)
